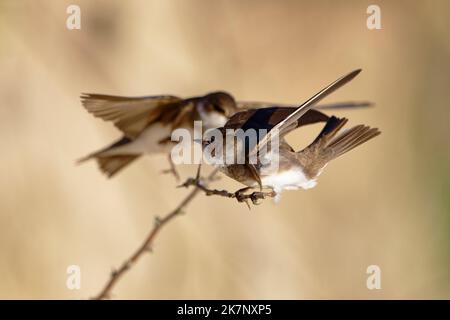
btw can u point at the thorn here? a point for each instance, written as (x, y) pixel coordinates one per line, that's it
(189, 182)
(172, 171)
(185, 184)
(158, 221)
(148, 249)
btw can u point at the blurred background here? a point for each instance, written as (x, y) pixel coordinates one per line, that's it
(386, 203)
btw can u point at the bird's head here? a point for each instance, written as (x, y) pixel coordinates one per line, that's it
(221, 102)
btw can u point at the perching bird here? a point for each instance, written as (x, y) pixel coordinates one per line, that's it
(295, 169)
(147, 122)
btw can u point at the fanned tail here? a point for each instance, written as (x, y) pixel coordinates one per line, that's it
(329, 144)
(350, 139)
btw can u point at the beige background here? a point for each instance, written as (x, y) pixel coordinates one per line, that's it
(386, 203)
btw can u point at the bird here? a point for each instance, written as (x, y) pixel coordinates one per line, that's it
(294, 169)
(147, 122)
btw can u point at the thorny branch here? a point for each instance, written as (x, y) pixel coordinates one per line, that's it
(239, 195)
(200, 185)
(146, 246)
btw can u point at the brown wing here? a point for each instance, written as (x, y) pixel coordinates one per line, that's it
(267, 118)
(244, 105)
(289, 122)
(132, 114)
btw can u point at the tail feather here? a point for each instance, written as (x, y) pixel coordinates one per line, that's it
(347, 134)
(350, 139)
(331, 128)
(123, 141)
(329, 145)
(111, 164)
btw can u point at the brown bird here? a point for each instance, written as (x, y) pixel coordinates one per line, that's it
(147, 122)
(295, 169)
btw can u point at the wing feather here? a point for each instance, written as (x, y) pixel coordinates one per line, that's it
(245, 105)
(129, 114)
(303, 108)
(267, 118)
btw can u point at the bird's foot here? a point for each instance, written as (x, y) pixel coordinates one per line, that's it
(240, 195)
(255, 197)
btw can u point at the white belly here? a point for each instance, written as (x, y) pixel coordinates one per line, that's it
(288, 180)
(147, 142)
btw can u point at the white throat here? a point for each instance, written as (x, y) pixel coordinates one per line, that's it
(211, 119)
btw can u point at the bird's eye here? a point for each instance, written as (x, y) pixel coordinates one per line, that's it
(218, 108)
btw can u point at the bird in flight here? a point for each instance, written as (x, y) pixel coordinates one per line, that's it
(147, 123)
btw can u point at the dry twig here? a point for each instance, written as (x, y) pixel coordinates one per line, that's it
(239, 195)
(146, 246)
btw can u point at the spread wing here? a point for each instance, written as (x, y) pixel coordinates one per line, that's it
(290, 121)
(267, 118)
(244, 105)
(131, 114)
